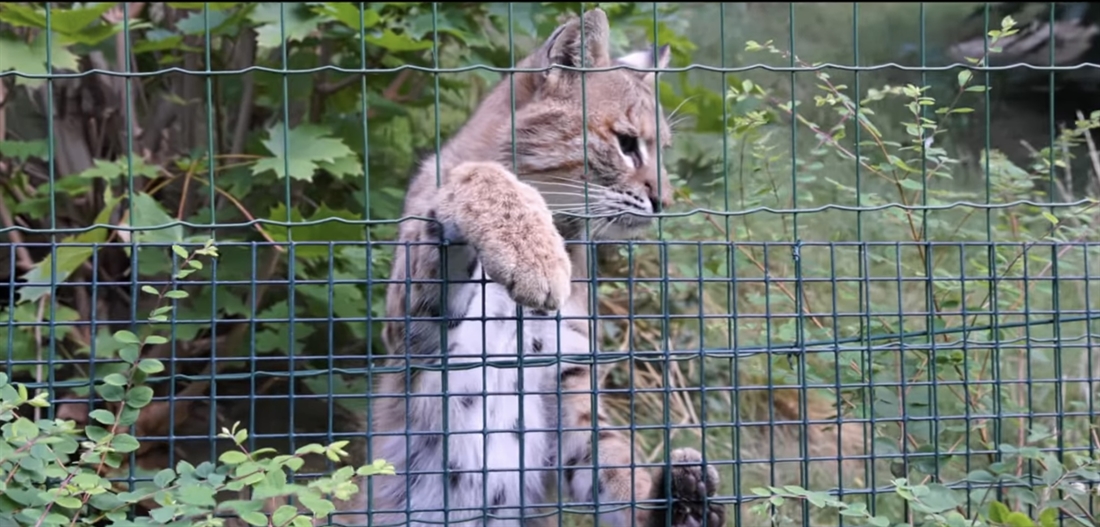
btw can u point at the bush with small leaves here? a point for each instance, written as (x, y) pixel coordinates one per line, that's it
(1028, 473)
(54, 474)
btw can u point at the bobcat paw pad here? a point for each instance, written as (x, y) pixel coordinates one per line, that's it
(693, 482)
(540, 283)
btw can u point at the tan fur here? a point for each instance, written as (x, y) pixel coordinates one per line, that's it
(520, 241)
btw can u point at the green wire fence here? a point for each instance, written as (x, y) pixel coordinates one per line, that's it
(873, 301)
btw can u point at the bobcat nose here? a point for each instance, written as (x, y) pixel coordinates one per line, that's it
(660, 201)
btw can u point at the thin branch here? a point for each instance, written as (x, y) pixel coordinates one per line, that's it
(23, 258)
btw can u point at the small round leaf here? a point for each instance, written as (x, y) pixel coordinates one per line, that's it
(233, 457)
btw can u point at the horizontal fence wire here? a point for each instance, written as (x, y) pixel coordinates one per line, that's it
(872, 291)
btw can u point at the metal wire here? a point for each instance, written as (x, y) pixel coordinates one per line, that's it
(835, 310)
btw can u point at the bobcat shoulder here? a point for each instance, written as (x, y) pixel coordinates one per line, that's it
(485, 441)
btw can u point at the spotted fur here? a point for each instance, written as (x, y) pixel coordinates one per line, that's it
(505, 440)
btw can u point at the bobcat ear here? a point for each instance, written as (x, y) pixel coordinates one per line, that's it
(644, 59)
(564, 45)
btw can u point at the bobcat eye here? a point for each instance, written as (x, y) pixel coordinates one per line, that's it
(628, 144)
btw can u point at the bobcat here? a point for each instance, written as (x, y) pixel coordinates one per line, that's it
(505, 437)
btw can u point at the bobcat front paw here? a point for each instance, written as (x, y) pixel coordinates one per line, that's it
(530, 261)
(690, 489)
(513, 230)
(535, 269)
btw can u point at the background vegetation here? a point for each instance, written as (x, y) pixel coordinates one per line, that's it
(278, 337)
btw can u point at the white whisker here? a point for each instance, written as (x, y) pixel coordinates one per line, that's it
(582, 183)
(575, 194)
(603, 227)
(582, 210)
(569, 186)
(674, 124)
(571, 207)
(678, 106)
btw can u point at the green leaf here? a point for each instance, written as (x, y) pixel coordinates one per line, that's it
(151, 366)
(116, 379)
(998, 512)
(176, 294)
(911, 184)
(280, 22)
(128, 415)
(129, 353)
(102, 416)
(180, 251)
(127, 337)
(150, 289)
(163, 515)
(23, 150)
(31, 58)
(23, 16)
(1018, 519)
(398, 42)
(233, 457)
(1049, 517)
(312, 448)
(125, 443)
(124, 166)
(69, 502)
(110, 393)
(254, 518)
(155, 340)
(283, 515)
(139, 396)
(964, 77)
(148, 213)
(295, 464)
(74, 20)
(321, 232)
(199, 23)
(348, 14)
(318, 506)
(938, 499)
(164, 478)
(197, 495)
(347, 166)
(68, 256)
(310, 145)
(24, 429)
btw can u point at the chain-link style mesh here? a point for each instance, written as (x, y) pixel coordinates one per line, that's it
(878, 281)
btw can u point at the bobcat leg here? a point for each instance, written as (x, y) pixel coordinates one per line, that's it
(511, 227)
(621, 488)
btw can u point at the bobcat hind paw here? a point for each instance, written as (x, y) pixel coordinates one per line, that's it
(693, 482)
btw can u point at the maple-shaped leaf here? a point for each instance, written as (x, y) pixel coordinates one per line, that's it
(31, 58)
(281, 22)
(310, 147)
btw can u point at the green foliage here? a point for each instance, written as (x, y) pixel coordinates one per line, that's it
(933, 332)
(912, 342)
(1058, 492)
(52, 473)
(328, 148)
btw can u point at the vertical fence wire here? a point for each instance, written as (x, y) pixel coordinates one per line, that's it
(770, 298)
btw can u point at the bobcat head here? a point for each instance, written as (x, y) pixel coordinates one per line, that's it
(590, 142)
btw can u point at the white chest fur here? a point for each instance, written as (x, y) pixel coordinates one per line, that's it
(500, 421)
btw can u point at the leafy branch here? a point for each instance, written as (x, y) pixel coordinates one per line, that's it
(42, 484)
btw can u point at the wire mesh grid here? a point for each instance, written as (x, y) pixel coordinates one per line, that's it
(869, 298)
